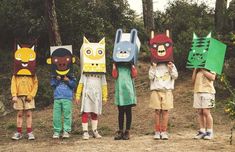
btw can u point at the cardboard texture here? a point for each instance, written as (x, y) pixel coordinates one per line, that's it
(161, 47)
(24, 60)
(92, 57)
(206, 52)
(61, 60)
(126, 47)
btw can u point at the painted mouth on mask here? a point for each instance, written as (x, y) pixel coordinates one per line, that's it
(62, 72)
(24, 64)
(161, 52)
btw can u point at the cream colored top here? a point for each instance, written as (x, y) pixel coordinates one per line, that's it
(203, 84)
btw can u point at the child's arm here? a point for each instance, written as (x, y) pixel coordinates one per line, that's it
(152, 71)
(104, 90)
(114, 71)
(55, 81)
(194, 74)
(173, 71)
(13, 89)
(133, 71)
(209, 75)
(71, 82)
(34, 90)
(79, 90)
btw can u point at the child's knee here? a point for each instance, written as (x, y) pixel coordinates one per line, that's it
(20, 114)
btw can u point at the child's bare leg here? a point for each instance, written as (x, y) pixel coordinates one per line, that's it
(157, 120)
(209, 119)
(19, 121)
(29, 121)
(165, 118)
(201, 119)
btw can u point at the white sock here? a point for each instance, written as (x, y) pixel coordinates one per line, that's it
(203, 130)
(85, 126)
(94, 124)
(210, 130)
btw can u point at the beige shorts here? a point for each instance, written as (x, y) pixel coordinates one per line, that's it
(22, 104)
(161, 100)
(204, 100)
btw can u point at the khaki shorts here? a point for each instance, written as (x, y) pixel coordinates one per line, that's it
(204, 100)
(161, 100)
(22, 104)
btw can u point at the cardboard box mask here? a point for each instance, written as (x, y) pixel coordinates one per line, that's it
(24, 60)
(92, 57)
(61, 60)
(161, 47)
(126, 47)
(206, 52)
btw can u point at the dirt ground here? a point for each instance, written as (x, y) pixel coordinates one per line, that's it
(182, 126)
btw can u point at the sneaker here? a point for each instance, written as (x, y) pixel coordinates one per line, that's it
(208, 136)
(118, 135)
(200, 135)
(96, 134)
(56, 135)
(164, 135)
(65, 135)
(31, 136)
(126, 135)
(85, 135)
(157, 135)
(17, 136)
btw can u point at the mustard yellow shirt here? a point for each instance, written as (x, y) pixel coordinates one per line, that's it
(203, 84)
(24, 86)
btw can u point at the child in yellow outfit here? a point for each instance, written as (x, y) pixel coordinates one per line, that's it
(24, 86)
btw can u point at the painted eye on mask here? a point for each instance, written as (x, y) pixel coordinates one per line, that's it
(88, 52)
(167, 44)
(100, 52)
(154, 46)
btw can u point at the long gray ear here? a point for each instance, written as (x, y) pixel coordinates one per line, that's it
(133, 36)
(118, 36)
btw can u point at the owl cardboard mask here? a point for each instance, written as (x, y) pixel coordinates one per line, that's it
(206, 52)
(126, 47)
(161, 47)
(61, 60)
(92, 57)
(24, 60)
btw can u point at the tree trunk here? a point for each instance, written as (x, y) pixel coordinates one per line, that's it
(231, 13)
(220, 17)
(148, 15)
(53, 27)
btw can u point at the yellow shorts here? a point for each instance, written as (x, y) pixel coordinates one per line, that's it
(161, 100)
(22, 104)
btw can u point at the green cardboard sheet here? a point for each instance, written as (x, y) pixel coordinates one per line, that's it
(206, 52)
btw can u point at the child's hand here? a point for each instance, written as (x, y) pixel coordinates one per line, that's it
(77, 101)
(114, 66)
(154, 65)
(58, 77)
(14, 99)
(170, 65)
(29, 98)
(66, 78)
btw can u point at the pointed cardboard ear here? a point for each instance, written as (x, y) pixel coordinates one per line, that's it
(18, 47)
(168, 33)
(85, 40)
(133, 36)
(209, 35)
(194, 36)
(48, 60)
(73, 59)
(118, 36)
(102, 41)
(33, 47)
(152, 35)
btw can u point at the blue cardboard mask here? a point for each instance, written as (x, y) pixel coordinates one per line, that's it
(126, 47)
